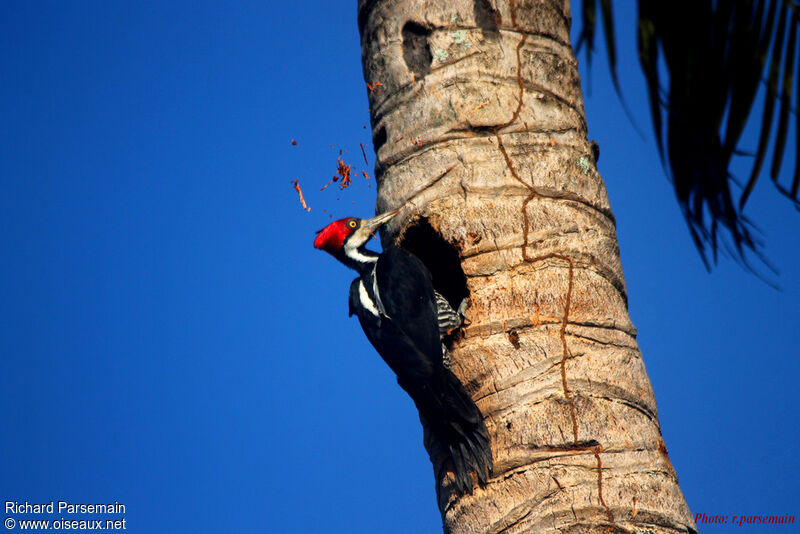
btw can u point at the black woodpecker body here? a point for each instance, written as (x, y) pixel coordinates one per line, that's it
(404, 319)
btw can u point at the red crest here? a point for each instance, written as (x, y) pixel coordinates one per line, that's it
(331, 238)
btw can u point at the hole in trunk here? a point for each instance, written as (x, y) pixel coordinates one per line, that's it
(416, 52)
(440, 257)
(486, 17)
(379, 139)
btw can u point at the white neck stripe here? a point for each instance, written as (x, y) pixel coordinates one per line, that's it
(354, 254)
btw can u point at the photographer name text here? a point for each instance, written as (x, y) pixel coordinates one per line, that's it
(63, 507)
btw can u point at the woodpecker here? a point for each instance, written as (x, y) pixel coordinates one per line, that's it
(405, 320)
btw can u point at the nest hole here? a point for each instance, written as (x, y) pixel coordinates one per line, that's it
(379, 138)
(487, 18)
(416, 51)
(440, 257)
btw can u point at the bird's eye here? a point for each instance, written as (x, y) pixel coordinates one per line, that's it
(352, 223)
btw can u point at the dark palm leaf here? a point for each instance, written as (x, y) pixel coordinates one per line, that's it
(588, 29)
(796, 179)
(786, 95)
(587, 36)
(648, 59)
(715, 53)
(769, 108)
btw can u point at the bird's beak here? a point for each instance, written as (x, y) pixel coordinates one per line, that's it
(379, 220)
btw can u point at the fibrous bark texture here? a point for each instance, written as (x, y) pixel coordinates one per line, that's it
(480, 132)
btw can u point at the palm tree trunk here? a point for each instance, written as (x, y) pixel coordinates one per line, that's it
(479, 126)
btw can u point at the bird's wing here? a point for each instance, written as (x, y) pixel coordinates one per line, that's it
(405, 291)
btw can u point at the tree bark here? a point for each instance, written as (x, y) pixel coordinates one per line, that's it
(479, 126)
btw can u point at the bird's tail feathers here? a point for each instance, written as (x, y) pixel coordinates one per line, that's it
(462, 439)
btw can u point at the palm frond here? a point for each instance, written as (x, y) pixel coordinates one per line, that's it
(796, 179)
(647, 43)
(717, 54)
(611, 44)
(786, 94)
(587, 37)
(588, 30)
(769, 107)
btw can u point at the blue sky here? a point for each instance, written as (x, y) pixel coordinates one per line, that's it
(171, 340)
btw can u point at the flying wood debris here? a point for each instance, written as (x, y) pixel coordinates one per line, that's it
(343, 174)
(363, 153)
(294, 143)
(300, 192)
(373, 86)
